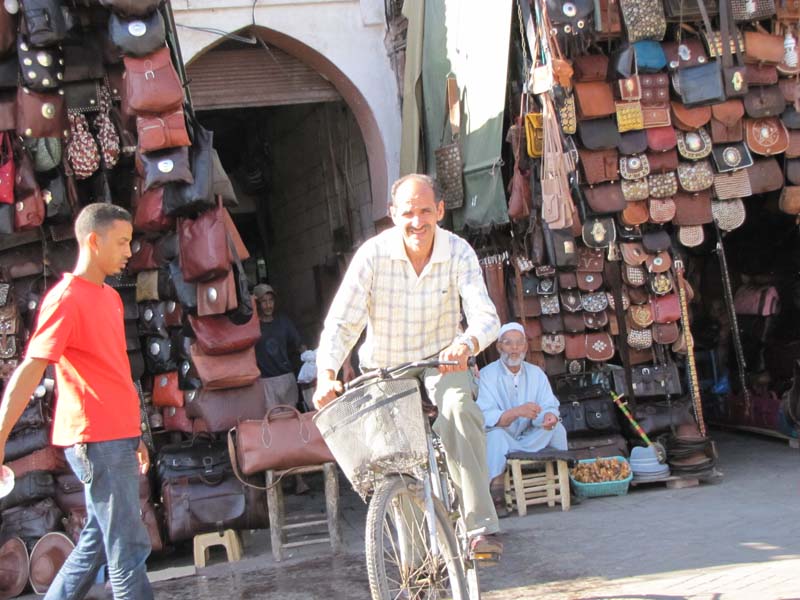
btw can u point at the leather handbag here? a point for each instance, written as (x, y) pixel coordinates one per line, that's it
(198, 194)
(31, 521)
(789, 88)
(173, 314)
(630, 116)
(599, 232)
(25, 442)
(564, 253)
(29, 208)
(659, 140)
(29, 488)
(218, 335)
(175, 419)
(605, 198)
(152, 84)
(767, 136)
(598, 134)
(590, 67)
(644, 20)
(161, 167)
(651, 381)
(701, 85)
(695, 176)
(283, 439)
(165, 390)
(790, 117)
(761, 47)
(635, 213)
(147, 285)
(217, 296)
(43, 22)
(689, 119)
(233, 370)
(666, 309)
(765, 101)
(694, 145)
(730, 157)
(42, 69)
(594, 99)
(524, 300)
(655, 89)
(41, 115)
(599, 166)
(688, 52)
(142, 256)
(204, 253)
(137, 36)
(692, 209)
(222, 409)
(733, 184)
(192, 508)
(185, 291)
(634, 167)
(202, 459)
(589, 417)
(148, 214)
(534, 134)
(758, 74)
(157, 132)
(657, 417)
(158, 355)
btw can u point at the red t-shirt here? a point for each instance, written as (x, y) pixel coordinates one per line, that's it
(81, 329)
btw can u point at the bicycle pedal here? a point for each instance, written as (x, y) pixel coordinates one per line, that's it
(486, 559)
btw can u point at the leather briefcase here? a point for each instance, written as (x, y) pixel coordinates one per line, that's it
(223, 409)
(283, 439)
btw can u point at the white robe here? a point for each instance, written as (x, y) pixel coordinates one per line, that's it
(500, 391)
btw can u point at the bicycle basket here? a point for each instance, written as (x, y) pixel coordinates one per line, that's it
(375, 430)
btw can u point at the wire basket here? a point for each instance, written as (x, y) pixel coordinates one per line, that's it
(375, 430)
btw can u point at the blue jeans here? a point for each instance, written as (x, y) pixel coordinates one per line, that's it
(114, 533)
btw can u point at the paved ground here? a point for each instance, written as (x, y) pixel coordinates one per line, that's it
(738, 539)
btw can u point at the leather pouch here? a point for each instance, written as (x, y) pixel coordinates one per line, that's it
(151, 319)
(43, 22)
(595, 100)
(204, 252)
(689, 119)
(605, 198)
(147, 285)
(764, 102)
(158, 355)
(635, 213)
(31, 521)
(689, 52)
(729, 157)
(142, 256)
(165, 390)
(148, 216)
(161, 167)
(590, 67)
(692, 209)
(765, 176)
(152, 84)
(662, 185)
(726, 122)
(733, 184)
(41, 115)
(218, 335)
(157, 132)
(695, 176)
(598, 134)
(192, 508)
(42, 69)
(661, 139)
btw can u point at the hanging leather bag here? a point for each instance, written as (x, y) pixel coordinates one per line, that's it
(764, 102)
(43, 22)
(701, 84)
(137, 36)
(165, 390)
(29, 488)
(198, 194)
(734, 73)
(233, 370)
(644, 19)
(162, 167)
(225, 408)
(449, 161)
(42, 70)
(726, 122)
(148, 215)
(218, 335)
(41, 115)
(284, 439)
(157, 132)
(204, 253)
(767, 136)
(151, 83)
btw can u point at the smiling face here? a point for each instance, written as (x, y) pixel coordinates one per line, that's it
(415, 211)
(512, 347)
(112, 247)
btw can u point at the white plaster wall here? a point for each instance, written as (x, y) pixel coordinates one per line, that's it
(348, 33)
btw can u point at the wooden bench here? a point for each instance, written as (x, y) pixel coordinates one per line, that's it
(281, 527)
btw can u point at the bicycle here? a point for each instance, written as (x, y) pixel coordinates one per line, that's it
(416, 537)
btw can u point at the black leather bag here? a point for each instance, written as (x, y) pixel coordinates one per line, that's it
(29, 488)
(158, 356)
(589, 417)
(137, 36)
(26, 442)
(661, 416)
(152, 319)
(200, 459)
(43, 22)
(137, 364)
(701, 85)
(162, 167)
(192, 507)
(189, 199)
(651, 381)
(42, 69)
(30, 522)
(186, 292)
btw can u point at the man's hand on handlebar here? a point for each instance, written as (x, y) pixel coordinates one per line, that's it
(457, 352)
(328, 387)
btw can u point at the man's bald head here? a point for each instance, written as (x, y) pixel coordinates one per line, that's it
(415, 180)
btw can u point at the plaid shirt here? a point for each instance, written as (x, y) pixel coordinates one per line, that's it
(408, 317)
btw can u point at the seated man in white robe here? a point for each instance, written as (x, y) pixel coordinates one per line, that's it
(519, 408)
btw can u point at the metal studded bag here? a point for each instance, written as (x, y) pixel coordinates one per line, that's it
(599, 232)
(728, 214)
(594, 302)
(599, 346)
(734, 184)
(553, 343)
(630, 116)
(568, 116)
(634, 167)
(41, 115)
(662, 185)
(570, 16)
(689, 236)
(694, 145)
(550, 304)
(695, 176)
(644, 19)
(752, 10)
(42, 68)
(730, 157)
(449, 160)
(634, 190)
(634, 276)
(640, 339)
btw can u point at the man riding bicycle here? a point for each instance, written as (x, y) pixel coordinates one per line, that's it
(407, 286)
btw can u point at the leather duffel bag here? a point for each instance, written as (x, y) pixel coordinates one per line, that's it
(32, 521)
(33, 486)
(193, 507)
(285, 438)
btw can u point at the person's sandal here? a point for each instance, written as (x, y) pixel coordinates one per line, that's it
(487, 549)
(499, 500)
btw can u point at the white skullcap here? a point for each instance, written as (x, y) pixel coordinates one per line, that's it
(513, 326)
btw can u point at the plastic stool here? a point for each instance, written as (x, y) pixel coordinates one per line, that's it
(229, 539)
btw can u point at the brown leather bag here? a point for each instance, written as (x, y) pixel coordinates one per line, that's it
(142, 256)
(666, 309)
(761, 74)
(175, 419)
(765, 101)
(149, 212)
(763, 47)
(765, 175)
(152, 84)
(635, 213)
(689, 119)
(218, 335)
(599, 346)
(726, 122)
(50, 459)
(156, 132)
(285, 438)
(41, 115)
(692, 209)
(193, 507)
(221, 410)
(595, 100)
(218, 296)
(204, 252)
(165, 390)
(766, 136)
(790, 200)
(237, 369)
(661, 139)
(605, 198)
(599, 165)
(590, 67)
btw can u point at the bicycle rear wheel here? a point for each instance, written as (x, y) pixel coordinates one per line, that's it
(400, 562)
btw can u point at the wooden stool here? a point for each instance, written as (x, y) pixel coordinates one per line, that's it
(227, 539)
(537, 487)
(279, 530)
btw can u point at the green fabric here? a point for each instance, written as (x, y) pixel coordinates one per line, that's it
(414, 11)
(469, 39)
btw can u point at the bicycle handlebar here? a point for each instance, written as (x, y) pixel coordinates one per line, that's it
(388, 372)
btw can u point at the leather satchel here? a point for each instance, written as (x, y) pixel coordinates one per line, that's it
(204, 253)
(41, 115)
(283, 439)
(757, 74)
(605, 198)
(157, 132)
(687, 52)
(599, 166)
(191, 508)
(151, 83)
(590, 67)
(137, 36)
(730, 157)
(142, 256)
(651, 381)
(767, 136)
(26, 442)
(149, 216)
(726, 122)
(589, 417)
(185, 291)
(692, 209)
(599, 134)
(595, 100)
(660, 417)
(223, 409)
(34, 486)
(659, 140)
(666, 309)
(233, 370)
(31, 521)
(218, 335)
(166, 392)
(200, 459)
(217, 296)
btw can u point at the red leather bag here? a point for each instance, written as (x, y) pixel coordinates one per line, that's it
(284, 439)
(156, 132)
(165, 390)
(666, 309)
(175, 419)
(29, 208)
(152, 84)
(204, 252)
(142, 257)
(218, 296)
(217, 334)
(149, 213)
(237, 369)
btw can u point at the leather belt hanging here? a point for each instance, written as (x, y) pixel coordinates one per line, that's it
(694, 383)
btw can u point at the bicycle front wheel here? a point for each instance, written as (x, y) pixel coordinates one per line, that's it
(400, 559)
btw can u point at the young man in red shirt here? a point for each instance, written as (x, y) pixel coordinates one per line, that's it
(80, 328)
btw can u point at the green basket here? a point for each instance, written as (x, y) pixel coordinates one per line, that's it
(605, 488)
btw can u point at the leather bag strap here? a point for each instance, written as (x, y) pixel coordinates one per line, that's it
(694, 383)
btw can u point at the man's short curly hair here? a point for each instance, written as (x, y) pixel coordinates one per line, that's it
(426, 179)
(98, 217)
